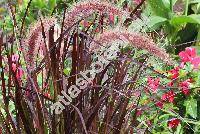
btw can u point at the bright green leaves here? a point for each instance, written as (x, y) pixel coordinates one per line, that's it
(160, 8)
(191, 107)
(52, 4)
(67, 71)
(45, 7)
(156, 21)
(179, 20)
(179, 28)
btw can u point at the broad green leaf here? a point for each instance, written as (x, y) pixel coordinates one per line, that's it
(167, 3)
(160, 8)
(156, 21)
(186, 34)
(40, 3)
(52, 4)
(179, 20)
(191, 107)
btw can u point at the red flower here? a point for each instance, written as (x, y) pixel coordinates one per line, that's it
(149, 123)
(138, 112)
(20, 73)
(169, 96)
(173, 123)
(174, 73)
(153, 84)
(185, 86)
(14, 67)
(47, 95)
(159, 104)
(170, 84)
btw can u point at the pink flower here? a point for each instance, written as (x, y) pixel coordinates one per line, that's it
(185, 86)
(169, 96)
(173, 123)
(137, 1)
(190, 55)
(15, 57)
(153, 84)
(86, 23)
(111, 18)
(195, 62)
(137, 93)
(174, 73)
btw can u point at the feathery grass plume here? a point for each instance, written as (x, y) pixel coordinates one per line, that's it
(35, 39)
(135, 39)
(84, 9)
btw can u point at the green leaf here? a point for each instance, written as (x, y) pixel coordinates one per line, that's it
(160, 8)
(164, 117)
(191, 107)
(188, 67)
(182, 73)
(179, 20)
(52, 4)
(196, 77)
(166, 3)
(156, 21)
(66, 71)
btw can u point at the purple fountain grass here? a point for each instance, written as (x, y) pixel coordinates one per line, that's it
(35, 39)
(84, 9)
(136, 39)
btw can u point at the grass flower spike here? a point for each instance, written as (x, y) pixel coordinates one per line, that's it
(135, 39)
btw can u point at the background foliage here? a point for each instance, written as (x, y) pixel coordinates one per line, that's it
(137, 92)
